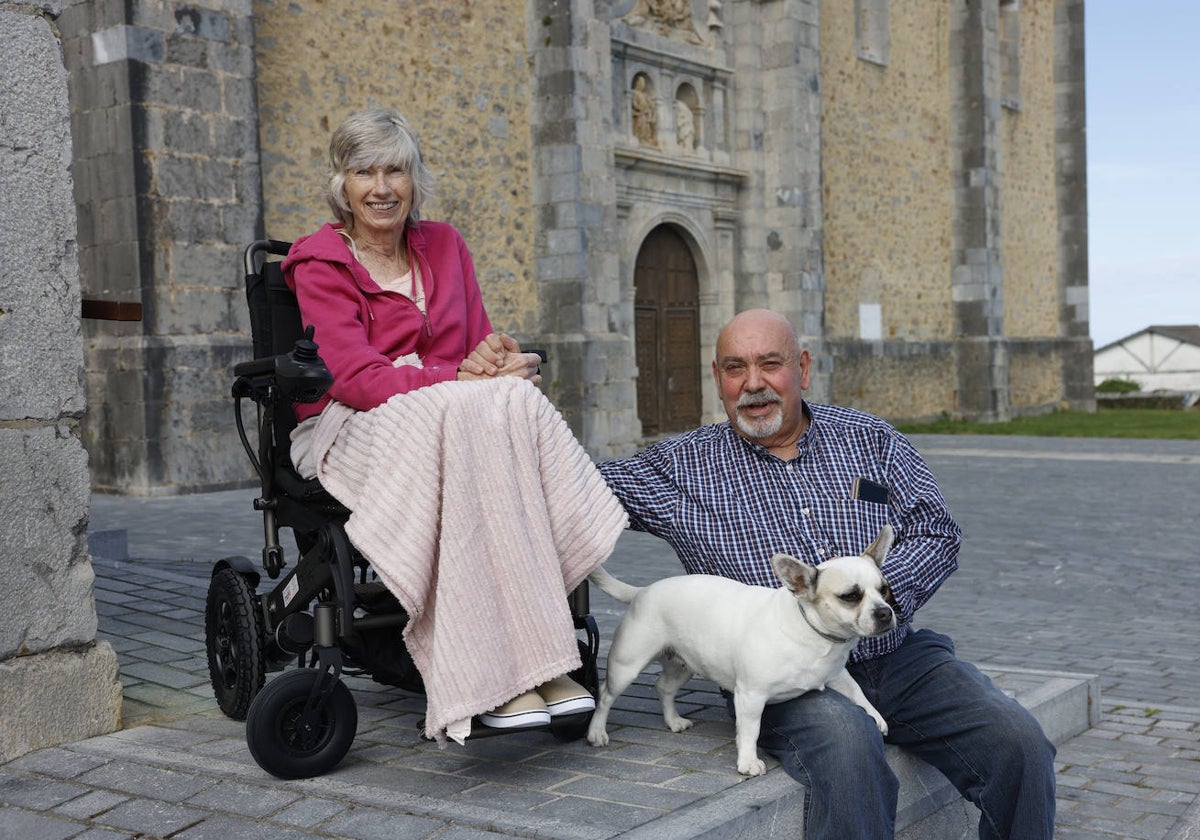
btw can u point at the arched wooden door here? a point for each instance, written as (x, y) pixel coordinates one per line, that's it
(667, 334)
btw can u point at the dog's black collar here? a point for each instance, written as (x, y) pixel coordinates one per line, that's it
(829, 637)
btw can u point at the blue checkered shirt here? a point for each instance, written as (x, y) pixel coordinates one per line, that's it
(726, 505)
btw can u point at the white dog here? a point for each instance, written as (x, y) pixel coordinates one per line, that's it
(764, 645)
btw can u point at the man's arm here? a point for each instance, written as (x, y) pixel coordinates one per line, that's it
(927, 538)
(644, 489)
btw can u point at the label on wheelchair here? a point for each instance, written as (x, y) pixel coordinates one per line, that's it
(291, 590)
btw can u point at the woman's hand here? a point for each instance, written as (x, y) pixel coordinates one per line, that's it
(485, 360)
(500, 355)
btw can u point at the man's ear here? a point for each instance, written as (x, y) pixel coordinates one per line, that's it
(805, 370)
(800, 578)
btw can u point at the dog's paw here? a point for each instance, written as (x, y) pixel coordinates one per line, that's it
(597, 737)
(755, 767)
(882, 724)
(679, 724)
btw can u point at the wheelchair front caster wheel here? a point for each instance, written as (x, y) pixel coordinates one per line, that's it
(290, 744)
(233, 637)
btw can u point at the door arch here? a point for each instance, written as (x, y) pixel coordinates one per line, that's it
(667, 334)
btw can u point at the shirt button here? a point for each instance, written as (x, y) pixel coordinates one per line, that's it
(804, 511)
(820, 552)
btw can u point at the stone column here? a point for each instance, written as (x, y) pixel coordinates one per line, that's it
(1070, 136)
(779, 139)
(582, 319)
(57, 682)
(977, 281)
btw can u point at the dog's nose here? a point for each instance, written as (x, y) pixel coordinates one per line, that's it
(882, 614)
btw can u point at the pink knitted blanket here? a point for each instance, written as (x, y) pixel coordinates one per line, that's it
(480, 511)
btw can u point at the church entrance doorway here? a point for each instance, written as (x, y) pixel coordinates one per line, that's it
(667, 334)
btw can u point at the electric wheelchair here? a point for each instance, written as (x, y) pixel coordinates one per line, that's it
(327, 613)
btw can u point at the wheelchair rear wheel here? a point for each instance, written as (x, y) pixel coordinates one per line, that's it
(233, 636)
(290, 744)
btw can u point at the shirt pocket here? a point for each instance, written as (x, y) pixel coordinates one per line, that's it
(848, 526)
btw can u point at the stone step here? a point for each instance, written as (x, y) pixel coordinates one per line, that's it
(771, 806)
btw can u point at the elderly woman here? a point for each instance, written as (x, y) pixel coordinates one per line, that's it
(434, 435)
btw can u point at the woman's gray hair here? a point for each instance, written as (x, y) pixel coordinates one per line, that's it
(376, 137)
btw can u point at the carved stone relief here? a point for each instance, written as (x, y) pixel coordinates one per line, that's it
(672, 18)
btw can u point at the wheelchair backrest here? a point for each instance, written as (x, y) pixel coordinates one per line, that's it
(275, 322)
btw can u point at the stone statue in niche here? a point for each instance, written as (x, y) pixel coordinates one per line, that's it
(685, 126)
(645, 114)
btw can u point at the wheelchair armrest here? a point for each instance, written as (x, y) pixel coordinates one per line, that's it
(255, 368)
(301, 375)
(254, 379)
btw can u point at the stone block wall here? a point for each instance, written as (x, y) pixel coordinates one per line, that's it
(1035, 375)
(1030, 218)
(459, 72)
(168, 190)
(886, 139)
(949, 220)
(57, 683)
(900, 380)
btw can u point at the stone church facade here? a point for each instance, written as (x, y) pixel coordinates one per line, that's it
(906, 179)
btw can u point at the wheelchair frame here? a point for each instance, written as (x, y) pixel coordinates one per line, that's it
(302, 722)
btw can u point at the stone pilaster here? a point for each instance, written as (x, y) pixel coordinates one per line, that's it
(779, 140)
(168, 193)
(57, 682)
(1071, 184)
(978, 274)
(575, 216)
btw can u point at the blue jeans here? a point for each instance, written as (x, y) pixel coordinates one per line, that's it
(938, 708)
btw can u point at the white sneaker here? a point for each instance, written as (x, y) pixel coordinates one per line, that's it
(524, 710)
(564, 696)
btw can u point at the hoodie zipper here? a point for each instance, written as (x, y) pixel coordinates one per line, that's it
(419, 273)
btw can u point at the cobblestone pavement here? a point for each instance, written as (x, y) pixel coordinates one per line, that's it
(1082, 555)
(1079, 556)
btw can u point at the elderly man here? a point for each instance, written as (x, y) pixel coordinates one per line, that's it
(818, 481)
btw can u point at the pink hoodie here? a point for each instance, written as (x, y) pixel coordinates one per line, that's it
(361, 328)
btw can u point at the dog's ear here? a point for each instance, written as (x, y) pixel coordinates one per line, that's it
(797, 576)
(879, 549)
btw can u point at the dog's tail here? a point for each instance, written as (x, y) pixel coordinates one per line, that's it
(612, 587)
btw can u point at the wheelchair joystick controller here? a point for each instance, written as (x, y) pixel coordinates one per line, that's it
(301, 374)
